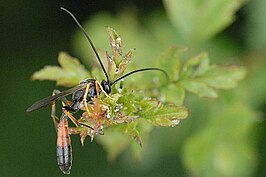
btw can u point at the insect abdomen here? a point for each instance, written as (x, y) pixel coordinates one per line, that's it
(64, 149)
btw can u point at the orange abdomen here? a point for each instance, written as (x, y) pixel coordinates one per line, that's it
(64, 149)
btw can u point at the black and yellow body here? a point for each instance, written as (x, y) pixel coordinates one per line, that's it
(92, 89)
(85, 91)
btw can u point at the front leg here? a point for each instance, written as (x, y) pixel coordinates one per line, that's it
(85, 96)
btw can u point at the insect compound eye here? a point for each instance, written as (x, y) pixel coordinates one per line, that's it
(106, 87)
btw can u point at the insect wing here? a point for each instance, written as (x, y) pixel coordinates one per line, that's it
(48, 100)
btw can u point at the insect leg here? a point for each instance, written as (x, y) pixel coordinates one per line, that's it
(85, 96)
(54, 117)
(80, 128)
(53, 112)
(72, 118)
(97, 89)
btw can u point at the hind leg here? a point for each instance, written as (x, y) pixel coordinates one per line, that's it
(65, 102)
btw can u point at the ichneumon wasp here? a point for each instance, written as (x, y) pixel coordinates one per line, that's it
(83, 94)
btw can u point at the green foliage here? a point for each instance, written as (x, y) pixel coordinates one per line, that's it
(221, 146)
(117, 63)
(197, 21)
(202, 79)
(128, 110)
(196, 75)
(217, 139)
(256, 24)
(70, 73)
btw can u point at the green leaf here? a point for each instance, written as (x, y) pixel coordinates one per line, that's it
(223, 77)
(116, 44)
(201, 78)
(131, 130)
(167, 115)
(199, 88)
(148, 105)
(197, 21)
(117, 63)
(70, 73)
(196, 66)
(173, 93)
(169, 61)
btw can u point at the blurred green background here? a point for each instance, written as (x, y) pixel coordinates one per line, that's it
(221, 137)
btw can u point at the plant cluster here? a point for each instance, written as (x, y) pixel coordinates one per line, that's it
(132, 110)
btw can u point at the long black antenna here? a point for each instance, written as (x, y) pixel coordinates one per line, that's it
(92, 46)
(140, 70)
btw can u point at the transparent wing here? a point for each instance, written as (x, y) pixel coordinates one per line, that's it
(48, 100)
